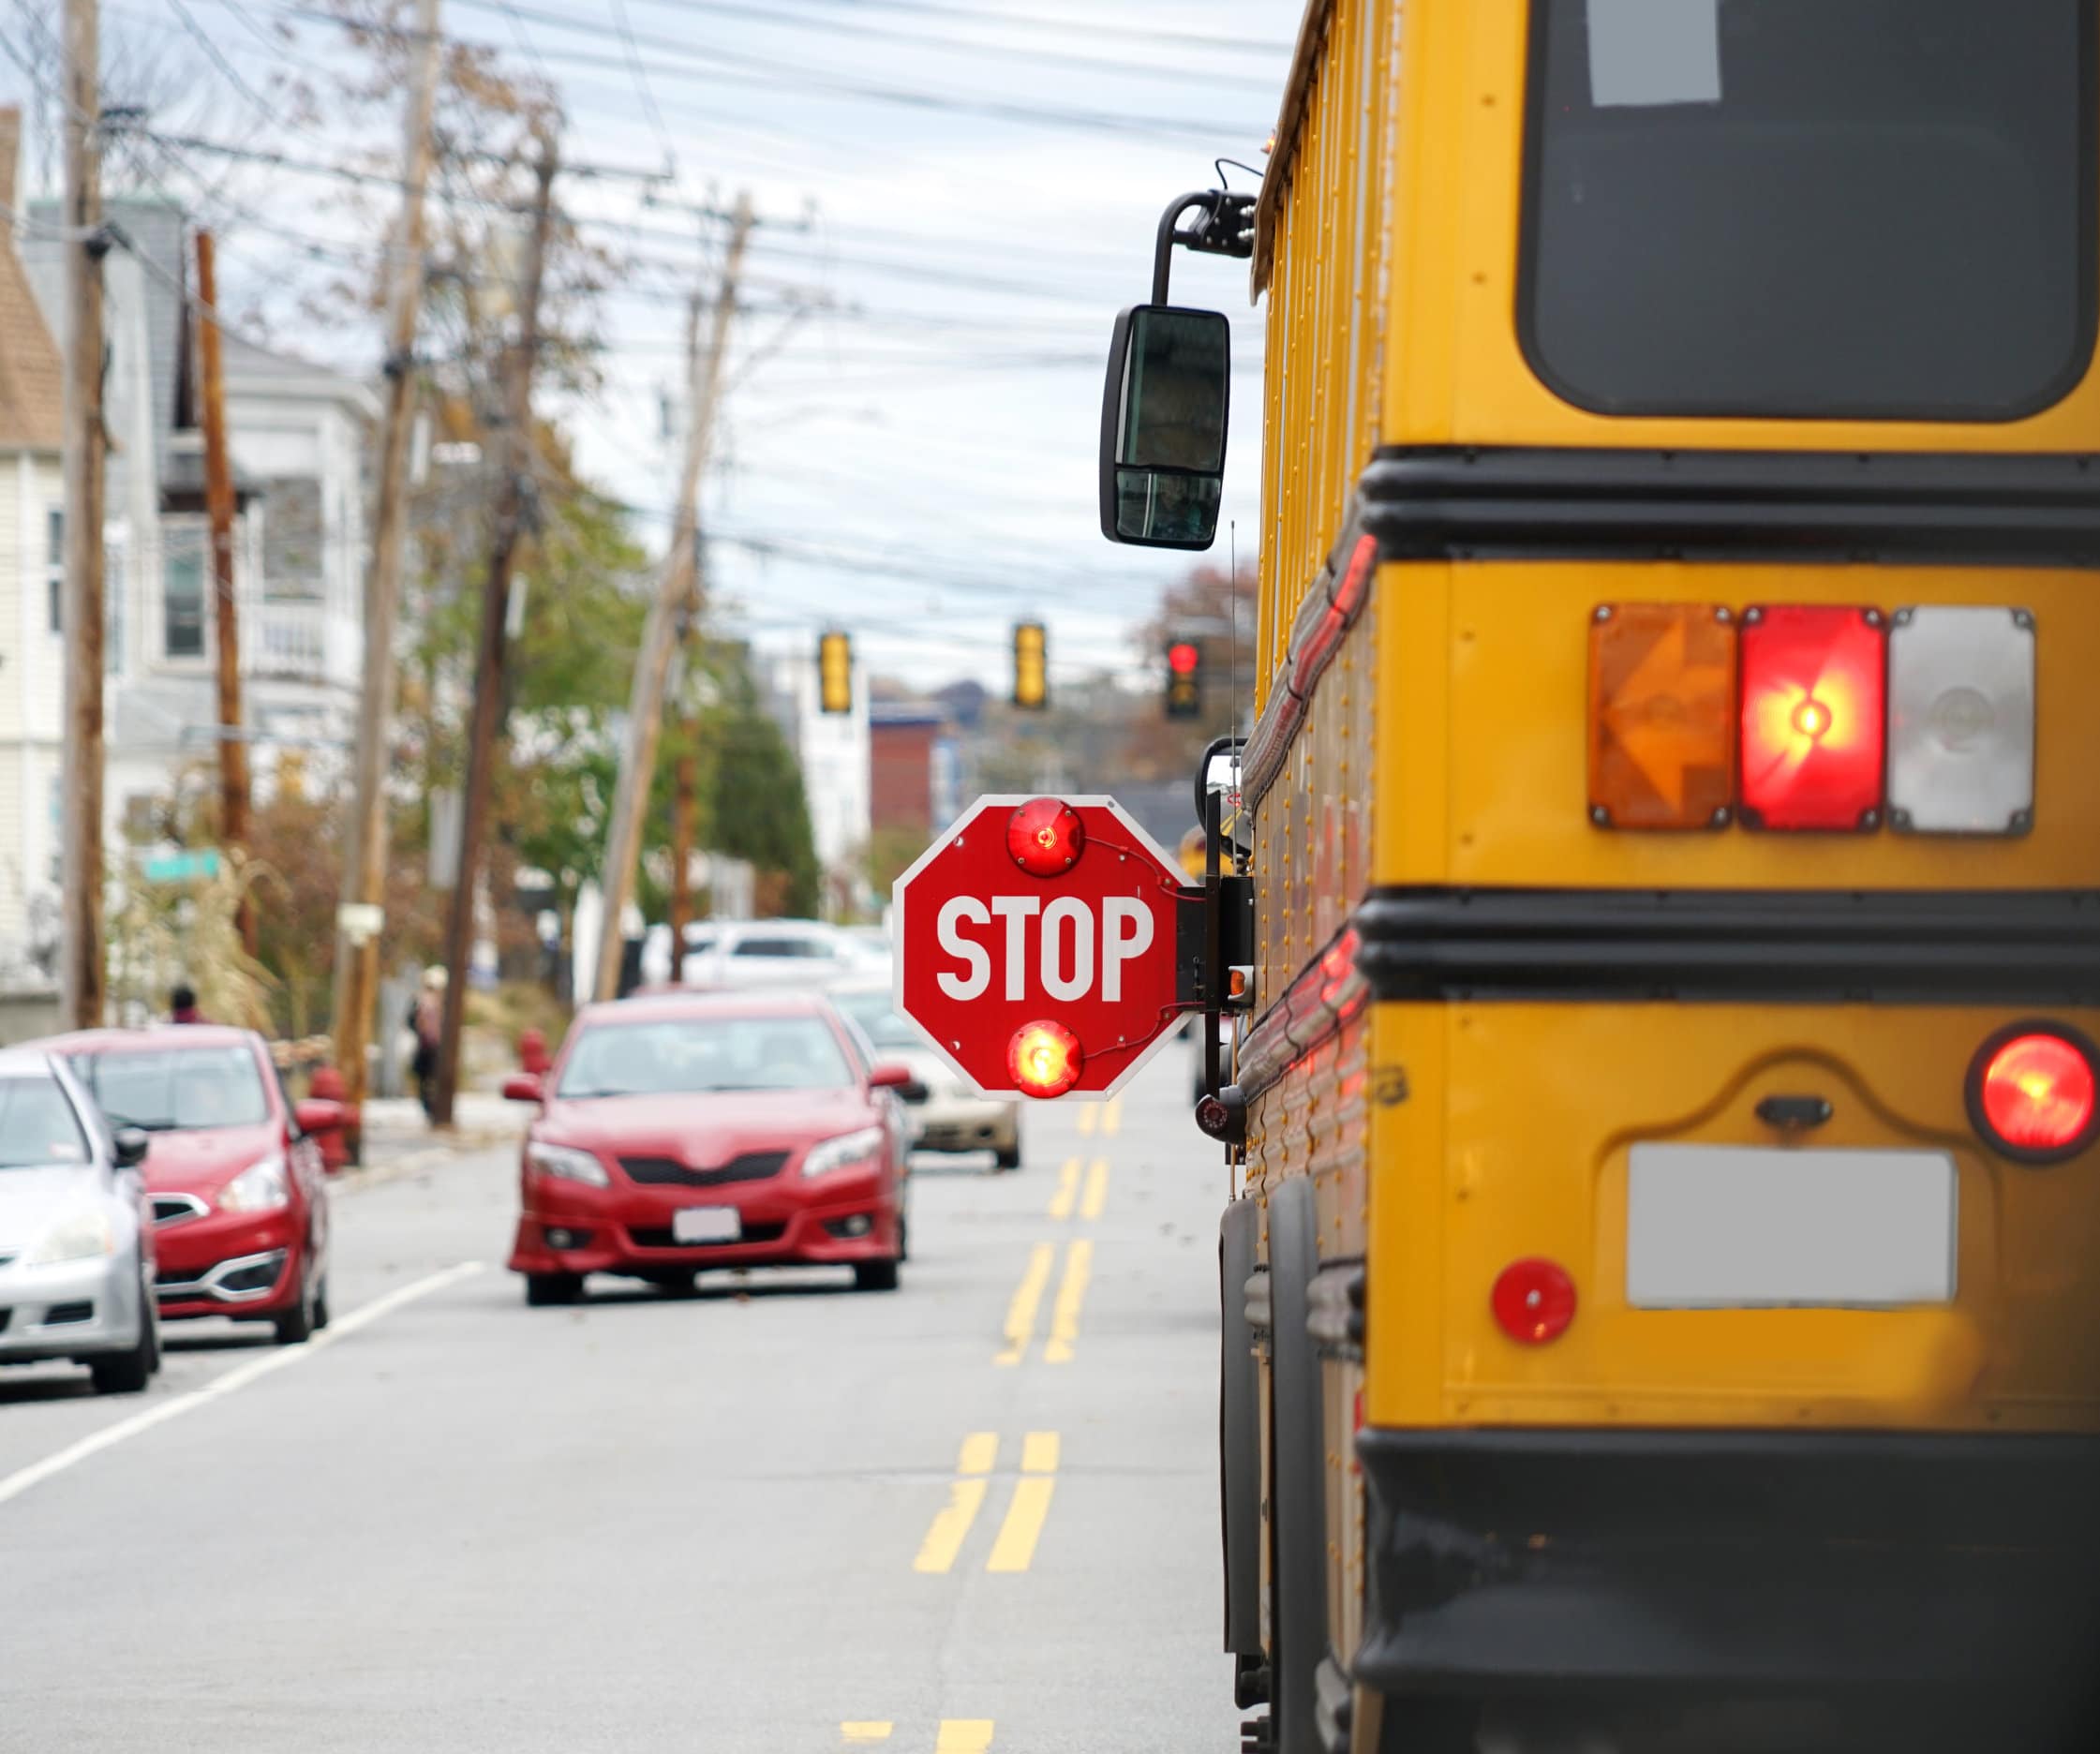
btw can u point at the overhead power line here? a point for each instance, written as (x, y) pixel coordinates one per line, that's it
(772, 15)
(1038, 22)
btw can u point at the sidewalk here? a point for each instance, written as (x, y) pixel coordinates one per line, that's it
(399, 1141)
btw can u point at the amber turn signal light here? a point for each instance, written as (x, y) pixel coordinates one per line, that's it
(1661, 716)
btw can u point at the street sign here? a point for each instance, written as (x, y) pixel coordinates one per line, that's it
(360, 921)
(173, 868)
(1037, 945)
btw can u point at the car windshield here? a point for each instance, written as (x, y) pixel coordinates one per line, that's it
(176, 1090)
(693, 1055)
(38, 1125)
(878, 1019)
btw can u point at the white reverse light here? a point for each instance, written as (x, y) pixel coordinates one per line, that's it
(1961, 720)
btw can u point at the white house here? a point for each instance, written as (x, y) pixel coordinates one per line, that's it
(833, 750)
(32, 576)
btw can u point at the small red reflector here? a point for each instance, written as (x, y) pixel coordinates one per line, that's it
(1045, 837)
(1044, 1059)
(1534, 1300)
(1815, 719)
(1182, 658)
(2032, 1093)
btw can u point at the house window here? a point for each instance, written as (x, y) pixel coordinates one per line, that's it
(181, 591)
(54, 566)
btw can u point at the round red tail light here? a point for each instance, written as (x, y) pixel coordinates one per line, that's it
(1045, 1058)
(1045, 837)
(2032, 1092)
(1534, 1300)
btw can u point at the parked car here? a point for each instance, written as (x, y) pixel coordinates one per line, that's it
(952, 1116)
(76, 1237)
(763, 953)
(687, 1131)
(238, 1188)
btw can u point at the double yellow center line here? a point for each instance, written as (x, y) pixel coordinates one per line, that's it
(1029, 1509)
(1069, 1199)
(959, 1735)
(1022, 1312)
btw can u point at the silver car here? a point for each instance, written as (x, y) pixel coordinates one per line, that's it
(76, 1238)
(949, 1116)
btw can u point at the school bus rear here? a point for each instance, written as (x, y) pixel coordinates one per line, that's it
(1669, 1114)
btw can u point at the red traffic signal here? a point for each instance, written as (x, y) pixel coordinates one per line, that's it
(1185, 680)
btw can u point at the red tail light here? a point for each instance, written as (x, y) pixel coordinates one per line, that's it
(1814, 723)
(1045, 837)
(1534, 1300)
(2032, 1092)
(1045, 1058)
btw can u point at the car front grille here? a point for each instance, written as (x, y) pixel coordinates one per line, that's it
(665, 1239)
(669, 1172)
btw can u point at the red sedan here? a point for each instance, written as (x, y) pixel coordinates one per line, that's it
(235, 1172)
(710, 1130)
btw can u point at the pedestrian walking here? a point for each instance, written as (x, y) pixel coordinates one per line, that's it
(426, 1017)
(182, 1004)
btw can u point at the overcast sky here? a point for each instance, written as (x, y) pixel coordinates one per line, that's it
(969, 190)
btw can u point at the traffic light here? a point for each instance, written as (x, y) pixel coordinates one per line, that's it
(1185, 679)
(1031, 667)
(835, 673)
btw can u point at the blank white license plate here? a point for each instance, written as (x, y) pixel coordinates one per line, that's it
(1740, 1226)
(707, 1224)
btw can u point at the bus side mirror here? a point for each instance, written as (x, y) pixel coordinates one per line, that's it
(1163, 419)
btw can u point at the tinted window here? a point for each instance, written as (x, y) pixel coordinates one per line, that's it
(176, 1089)
(781, 947)
(1815, 208)
(878, 1019)
(667, 1056)
(38, 1125)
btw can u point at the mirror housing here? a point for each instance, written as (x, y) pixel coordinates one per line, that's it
(321, 1114)
(1164, 413)
(131, 1143)
(524, 1087)
(897, 1078)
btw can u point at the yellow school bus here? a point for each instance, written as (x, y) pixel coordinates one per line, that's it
(1666, 1293)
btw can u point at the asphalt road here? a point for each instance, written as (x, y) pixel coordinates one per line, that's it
(977, 1514)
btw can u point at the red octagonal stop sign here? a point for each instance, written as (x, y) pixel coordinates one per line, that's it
(1036, 945)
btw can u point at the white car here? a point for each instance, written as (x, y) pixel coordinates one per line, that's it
(762, 953)
(952, 1116)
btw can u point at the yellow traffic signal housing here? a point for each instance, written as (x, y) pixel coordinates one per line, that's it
(1030, 666)
(835, 673)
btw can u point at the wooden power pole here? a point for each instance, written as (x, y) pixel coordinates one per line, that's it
(358, 922)
(219, 504)
(514, 471)
(84, 975)
(673, 604)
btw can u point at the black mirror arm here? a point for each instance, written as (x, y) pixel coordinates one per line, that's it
(1225, 228)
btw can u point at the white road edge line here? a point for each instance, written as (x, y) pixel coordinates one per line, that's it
(15, 1484)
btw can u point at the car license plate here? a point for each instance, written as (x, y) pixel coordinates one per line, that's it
(706, 1223)
(1728, 1226)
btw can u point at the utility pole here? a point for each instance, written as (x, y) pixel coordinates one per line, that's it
(84, 976)
(358, 923)
(675, 600)
(513, 475)
(218, 503)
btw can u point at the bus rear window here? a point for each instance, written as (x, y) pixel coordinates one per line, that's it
(1811, 209)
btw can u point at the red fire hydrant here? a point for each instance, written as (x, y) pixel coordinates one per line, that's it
(532, 1052)
(338, 1145)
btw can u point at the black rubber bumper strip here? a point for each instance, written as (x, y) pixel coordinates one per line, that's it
(1486, 503)
(1938, 947)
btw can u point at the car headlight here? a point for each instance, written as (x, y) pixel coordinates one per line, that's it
(260, 1187)
(80, 1236)
(566, 1164)
(848, 1147)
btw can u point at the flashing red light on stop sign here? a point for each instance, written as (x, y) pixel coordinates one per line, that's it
(1044, 836)
(1814, 717)
(1036, 945)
